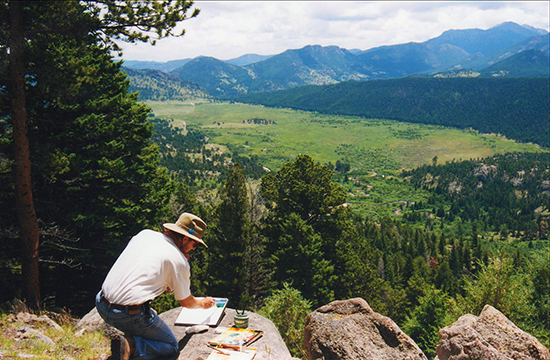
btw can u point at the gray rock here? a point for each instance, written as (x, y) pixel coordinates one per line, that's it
(350, 329)
(485, 172)
(193, 346)
(91, 322)
(491, 336)
(26, 332)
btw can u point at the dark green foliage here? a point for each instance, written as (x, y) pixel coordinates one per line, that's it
(516, 108)
(430, 315)
(540, 276)
(304, 188)
(506, 283)
(137, 20)
(235, 263)
(164, 302)
(232, 236)
(297, 257)
(304, 226)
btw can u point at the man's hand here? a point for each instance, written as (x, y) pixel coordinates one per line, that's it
(207, 302)
(193, 302)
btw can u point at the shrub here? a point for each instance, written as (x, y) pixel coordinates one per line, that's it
(288, 310)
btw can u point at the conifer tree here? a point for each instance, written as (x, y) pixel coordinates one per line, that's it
(305, 223)
(232, 235)
(51, 48)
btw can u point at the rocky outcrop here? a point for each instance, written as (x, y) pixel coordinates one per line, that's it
(351, 330)
(491, 336)
(341, 330)
(269, 347)
(91, 322)
(485, 172)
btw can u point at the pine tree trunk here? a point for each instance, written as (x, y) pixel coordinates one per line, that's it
(26, 214)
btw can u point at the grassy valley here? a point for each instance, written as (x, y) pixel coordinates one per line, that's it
(375, 150)
(366, 144)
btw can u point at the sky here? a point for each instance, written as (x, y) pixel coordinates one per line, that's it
(229, 29)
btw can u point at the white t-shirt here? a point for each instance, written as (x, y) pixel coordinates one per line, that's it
(149, 264)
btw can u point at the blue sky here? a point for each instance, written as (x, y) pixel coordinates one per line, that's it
(229, 29)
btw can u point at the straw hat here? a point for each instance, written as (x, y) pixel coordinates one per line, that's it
(189, 225)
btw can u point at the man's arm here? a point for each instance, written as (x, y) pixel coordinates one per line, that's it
(193, 302)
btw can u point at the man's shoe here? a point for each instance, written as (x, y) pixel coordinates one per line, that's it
(121, 348)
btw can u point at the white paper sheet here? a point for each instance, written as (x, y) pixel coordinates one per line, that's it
(211, 316)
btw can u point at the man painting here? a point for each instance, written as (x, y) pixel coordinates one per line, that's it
(151, 264)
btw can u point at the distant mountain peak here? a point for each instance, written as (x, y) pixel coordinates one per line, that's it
(316, 64)
(248, 59)
(487, 41)
(507, 25)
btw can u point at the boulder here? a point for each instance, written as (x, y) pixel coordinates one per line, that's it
(193, 346)
(351, 330)
(91, 322)
(491, 336)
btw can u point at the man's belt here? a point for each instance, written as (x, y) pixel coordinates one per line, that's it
(130, 309)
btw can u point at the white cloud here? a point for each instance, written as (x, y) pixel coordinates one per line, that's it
(228, 29)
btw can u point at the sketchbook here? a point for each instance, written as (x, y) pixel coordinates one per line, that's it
(210, 316)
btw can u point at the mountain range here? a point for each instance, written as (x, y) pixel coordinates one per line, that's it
(506, 50)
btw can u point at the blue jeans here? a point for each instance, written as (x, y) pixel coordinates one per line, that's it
(153, 337)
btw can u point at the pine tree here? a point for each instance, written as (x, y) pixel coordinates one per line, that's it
(75, 105)
(233, 230)
(306, 222)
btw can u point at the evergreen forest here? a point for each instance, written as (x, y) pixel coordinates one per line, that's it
(99, 167)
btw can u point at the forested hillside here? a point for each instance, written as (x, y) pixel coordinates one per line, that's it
(158, 85)
(195, 162)
(507, 194)
(516, 108)
(528, 63)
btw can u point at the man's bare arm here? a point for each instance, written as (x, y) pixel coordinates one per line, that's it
(192, 302)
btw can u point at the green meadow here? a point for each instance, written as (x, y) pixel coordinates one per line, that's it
(376, 149)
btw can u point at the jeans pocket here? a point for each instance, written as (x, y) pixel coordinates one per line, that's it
(145, 320)
(117, 314)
